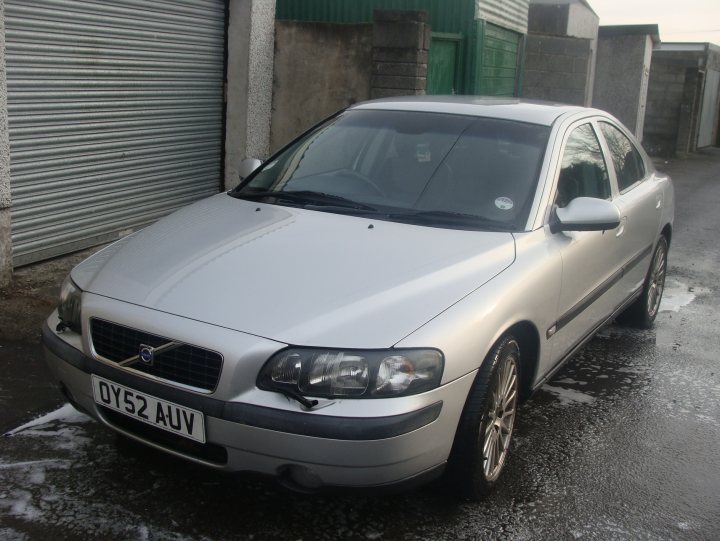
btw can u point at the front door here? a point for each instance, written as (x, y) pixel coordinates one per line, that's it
(591, 260)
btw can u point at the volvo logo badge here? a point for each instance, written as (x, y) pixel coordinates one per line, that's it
(147, 354)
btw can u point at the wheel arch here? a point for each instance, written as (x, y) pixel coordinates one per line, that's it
(528, 337)
(667, 233)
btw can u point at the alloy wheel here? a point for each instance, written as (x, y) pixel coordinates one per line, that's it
(657, 281)
(500, 417)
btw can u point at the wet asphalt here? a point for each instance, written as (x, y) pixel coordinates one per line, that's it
(624, 443)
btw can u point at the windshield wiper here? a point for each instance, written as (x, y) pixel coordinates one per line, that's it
(444, 217)
(306, 197)
(304, 402)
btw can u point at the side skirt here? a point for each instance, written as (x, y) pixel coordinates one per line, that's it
(577, 347)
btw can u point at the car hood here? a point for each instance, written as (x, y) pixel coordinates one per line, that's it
(297, 276)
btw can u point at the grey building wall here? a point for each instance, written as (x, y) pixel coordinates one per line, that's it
(664, 104)
(5, 198)
(621, 78)
(583, 22)
(557, 69)
(677, 95)
(709, 122)
(573, 19)
(251, 37)
(320, 68)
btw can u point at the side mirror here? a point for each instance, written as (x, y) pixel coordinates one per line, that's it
(247, 166)
(586, 214)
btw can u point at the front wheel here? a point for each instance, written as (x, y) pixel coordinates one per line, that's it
(483, 437)
(644, 310)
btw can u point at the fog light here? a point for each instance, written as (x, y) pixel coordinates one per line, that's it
(304, 477)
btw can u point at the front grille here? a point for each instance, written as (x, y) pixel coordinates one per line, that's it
(205, 451)
(185, 364)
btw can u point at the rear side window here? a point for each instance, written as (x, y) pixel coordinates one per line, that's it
(583, 172)
(628, 163)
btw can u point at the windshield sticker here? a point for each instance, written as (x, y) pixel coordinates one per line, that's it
(504, 203)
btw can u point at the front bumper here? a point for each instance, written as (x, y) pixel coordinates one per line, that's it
(309, 449)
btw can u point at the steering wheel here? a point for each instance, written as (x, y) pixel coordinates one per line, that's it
(362, 179)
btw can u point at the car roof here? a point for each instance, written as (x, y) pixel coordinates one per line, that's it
(535, 112)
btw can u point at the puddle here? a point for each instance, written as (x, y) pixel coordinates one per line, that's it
(676, 296)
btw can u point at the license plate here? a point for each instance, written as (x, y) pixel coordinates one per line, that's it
(149, 409)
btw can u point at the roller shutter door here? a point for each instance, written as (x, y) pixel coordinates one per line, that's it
(709, 112)
(500, 61)
(115, 110)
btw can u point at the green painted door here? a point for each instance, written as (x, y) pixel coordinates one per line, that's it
(443, 65)
(500, 60)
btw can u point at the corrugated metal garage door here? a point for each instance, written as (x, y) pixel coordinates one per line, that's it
(501, 54)
(709, 112)
(116, 116)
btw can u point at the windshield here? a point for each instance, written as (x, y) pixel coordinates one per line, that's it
(434, 169)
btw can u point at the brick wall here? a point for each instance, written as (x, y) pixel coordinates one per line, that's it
(557, 69)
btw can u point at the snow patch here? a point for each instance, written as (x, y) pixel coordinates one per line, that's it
(571, 381)
(18, 503)
(64, 414)
(568, 396)
(11, 535)
(33, 463)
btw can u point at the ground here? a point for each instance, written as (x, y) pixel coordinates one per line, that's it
(622, 444)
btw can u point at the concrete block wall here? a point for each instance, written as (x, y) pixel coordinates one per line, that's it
(250, 41)
(320, 68)
(401, 41)
(557, 69)
(5, 197)
(623, 66)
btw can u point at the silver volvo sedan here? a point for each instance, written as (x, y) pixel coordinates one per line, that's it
(369, 305)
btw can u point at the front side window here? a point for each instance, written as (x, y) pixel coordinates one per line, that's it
(628, 163)
(583, 172)
(426, 168)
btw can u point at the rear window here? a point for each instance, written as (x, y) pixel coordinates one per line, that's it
(629, 165)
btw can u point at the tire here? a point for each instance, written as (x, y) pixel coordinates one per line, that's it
(644, 310)
(482, 441)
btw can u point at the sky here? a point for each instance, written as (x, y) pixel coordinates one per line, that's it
(679, 20)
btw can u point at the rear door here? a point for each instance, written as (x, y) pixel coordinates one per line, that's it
(640, 201)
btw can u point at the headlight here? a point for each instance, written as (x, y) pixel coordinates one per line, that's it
(332, 373)
(69, 306)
